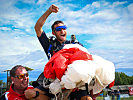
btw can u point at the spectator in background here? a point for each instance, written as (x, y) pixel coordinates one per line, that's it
(20, 79)
(113, 95)
(118, 95)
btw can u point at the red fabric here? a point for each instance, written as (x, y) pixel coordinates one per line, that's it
(130, 91)
(12, 95)
(57, 65)
(111, 84)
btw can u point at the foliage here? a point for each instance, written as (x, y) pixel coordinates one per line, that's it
(122, 79)
(28, 69)
(101, 98)
(30, 83)
(129, 98)
(3, 84)
(1, 81)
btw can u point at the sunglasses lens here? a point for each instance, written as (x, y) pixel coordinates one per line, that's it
(21, 76)
(60, 27)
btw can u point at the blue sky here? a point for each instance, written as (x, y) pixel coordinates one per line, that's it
(104, 27)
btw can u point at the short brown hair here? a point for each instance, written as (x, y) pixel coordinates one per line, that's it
(13, 70)
(55, 23)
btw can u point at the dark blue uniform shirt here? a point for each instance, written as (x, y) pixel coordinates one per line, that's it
(45, 42)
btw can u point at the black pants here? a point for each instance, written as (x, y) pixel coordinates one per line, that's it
(76, 95)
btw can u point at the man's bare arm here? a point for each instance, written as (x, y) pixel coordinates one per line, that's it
(42, 19)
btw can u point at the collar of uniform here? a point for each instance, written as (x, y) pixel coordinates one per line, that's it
(13, 92)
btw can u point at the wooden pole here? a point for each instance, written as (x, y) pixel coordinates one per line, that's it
(8, 79)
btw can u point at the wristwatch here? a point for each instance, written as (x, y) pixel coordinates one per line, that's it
(37, 94)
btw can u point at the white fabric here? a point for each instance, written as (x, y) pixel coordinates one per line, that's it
(67, 46)
(105, 73)
(69, 84)
(6, 97)
(55, 86)
(80, 70)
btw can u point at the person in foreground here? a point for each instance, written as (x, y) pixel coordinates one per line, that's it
(20, 79)
(51, 46)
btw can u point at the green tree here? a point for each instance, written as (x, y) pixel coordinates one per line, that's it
(30, 83)
(118, 80)
(132, 80)
(1, 81)
(28, 69)
(122, 79)
(3, 84)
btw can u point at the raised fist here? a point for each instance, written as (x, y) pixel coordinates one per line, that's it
(53, 8)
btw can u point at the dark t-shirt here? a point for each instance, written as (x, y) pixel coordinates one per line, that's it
(45, 42)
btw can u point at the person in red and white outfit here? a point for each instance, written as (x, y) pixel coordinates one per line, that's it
(20, 79)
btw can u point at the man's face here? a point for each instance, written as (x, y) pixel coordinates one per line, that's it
(20, 84)
(60, 35)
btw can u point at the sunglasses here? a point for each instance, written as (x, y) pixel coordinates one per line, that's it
(60, 27)
(22, 75)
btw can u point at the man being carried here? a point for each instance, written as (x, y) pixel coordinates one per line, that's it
(51, 46)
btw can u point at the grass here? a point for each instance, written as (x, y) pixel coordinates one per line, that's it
(130, 98)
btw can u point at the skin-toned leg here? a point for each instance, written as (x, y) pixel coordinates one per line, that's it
(86, 98)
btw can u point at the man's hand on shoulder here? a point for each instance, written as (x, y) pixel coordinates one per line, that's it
(30, 93)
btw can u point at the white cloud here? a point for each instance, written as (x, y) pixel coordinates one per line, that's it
(5, 28)
(35, 60)
(103, 21)
(24, 22)
(29, 1)
(112, 41)
(130, 8)
(96, 4)
(117, 3)
(41, 1)
(106, 15)
(105, 3)
(18, 45)
(17, 18)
